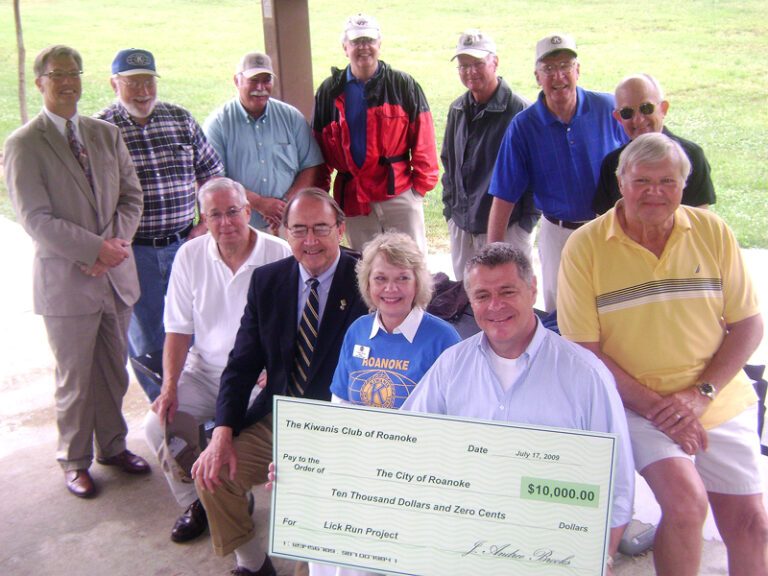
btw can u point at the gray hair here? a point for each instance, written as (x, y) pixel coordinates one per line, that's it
(317, 194)
(650, 149)
(221, 184)
(498, 254)
(399, 250)
(55, 51)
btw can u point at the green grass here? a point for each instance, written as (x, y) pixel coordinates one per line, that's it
(709, 56)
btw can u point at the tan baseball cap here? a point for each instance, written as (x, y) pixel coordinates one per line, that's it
(362, 26)
(476, 44)
(253, 64)
(555, 43)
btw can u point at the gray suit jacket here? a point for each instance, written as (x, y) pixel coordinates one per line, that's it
(66, 219)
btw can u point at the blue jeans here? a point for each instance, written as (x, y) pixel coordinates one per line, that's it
(146, 333)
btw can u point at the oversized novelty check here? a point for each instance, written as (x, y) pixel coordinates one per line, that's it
(405, 493)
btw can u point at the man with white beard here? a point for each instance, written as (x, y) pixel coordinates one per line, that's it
(265, 144)
(172, 158)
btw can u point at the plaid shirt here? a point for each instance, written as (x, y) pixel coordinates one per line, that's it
(171, 156)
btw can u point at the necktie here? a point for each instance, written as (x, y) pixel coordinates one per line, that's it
(79, 151)
(305, 340)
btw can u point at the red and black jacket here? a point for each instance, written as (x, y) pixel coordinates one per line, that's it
(400, 152)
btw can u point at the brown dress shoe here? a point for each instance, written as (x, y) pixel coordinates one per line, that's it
(191, 524)
(127, 461)
(80, 483)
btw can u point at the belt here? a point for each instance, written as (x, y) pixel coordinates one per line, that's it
(564, 224)
(164, 240)
(388, 161)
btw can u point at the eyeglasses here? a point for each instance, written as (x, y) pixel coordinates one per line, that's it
(552, 69)
(646, 109)
(230, 215)
(476, 66)
(362, 41)
(58, 75)
(319, 230)
(138, 84)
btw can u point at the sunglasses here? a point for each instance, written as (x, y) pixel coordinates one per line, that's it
(646, 109)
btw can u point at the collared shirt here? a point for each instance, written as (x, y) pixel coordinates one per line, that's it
(356, 110)
(379, 368)
(207, 299)
(61, 123)
(264, 155)
(407, 327)
(561, 385)
(171, 156)
(469, 151)
(662, 319)
(325, 279)
(61, 126)
(698, 187)
(559, 162)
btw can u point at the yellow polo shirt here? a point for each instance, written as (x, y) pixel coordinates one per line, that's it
(661, 319)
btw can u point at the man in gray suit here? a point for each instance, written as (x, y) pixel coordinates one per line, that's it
(75, 192)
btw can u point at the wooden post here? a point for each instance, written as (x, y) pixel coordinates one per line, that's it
(286, 40)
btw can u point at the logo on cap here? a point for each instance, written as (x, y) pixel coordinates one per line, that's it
(139, 59)
(556, 40)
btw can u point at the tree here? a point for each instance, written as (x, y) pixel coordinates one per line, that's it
(22, 57)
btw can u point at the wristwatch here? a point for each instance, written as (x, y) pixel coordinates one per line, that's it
(707, 389)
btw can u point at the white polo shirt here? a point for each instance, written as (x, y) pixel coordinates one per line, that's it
(206, 299)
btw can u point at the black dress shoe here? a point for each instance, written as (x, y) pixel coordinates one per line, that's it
(127, 461)
(266, 570)
(80, 483)
(191, 524)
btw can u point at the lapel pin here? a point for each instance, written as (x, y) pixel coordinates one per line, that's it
(343, 304)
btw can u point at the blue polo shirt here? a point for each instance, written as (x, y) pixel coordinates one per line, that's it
(560, 162)
(356, 111)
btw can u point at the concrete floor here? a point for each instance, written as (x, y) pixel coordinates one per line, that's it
(125, 530)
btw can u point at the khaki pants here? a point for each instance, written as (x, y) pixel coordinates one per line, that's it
(91, 351)
(197, 393)
(552, 238)
(464, 245)
(230, 523)
(404, 213)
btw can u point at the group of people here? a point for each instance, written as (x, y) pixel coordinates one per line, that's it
(657, 309)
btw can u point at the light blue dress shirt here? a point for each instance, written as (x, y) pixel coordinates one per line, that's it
(561, 385)
(323, 288)
(264, 155)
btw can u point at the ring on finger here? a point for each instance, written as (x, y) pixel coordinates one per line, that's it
(678, 416)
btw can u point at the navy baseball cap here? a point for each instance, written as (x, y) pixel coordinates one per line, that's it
(134, 61)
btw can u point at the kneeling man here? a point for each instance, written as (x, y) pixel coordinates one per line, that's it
(206, 297)
(296, 314)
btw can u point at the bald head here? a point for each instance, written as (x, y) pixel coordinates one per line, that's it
(640, 105)
(635, 82)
